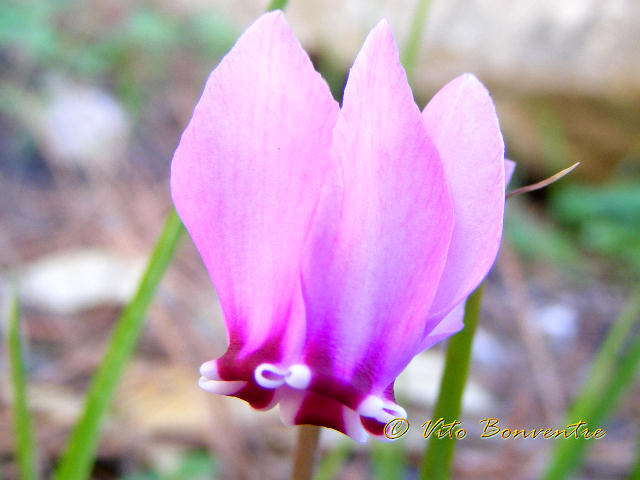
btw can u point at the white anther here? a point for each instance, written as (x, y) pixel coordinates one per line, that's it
(381, 410)
(221, 387)
(267, 375)
(299, 376)
(210, 370)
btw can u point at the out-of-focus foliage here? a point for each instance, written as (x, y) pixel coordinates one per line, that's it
(194, 466)
(539, 240)
(605, 218)
(136, 45)
(611, 374)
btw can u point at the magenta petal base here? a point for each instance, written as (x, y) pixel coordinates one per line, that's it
(301, 401)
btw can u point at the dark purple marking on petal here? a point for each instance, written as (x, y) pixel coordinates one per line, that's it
(256, 396)
(323, 411)
(372, 426)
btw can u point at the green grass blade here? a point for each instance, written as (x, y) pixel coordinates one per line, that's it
(388, 461)
(22, 421)
(635, 472)
(436, 462)
(277, 5)
(611, 374)
(77, 460)
(606, 359)
(411, 48)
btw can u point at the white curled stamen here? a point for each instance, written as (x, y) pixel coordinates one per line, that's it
(380, 409)
(298, 377)
(268, 375)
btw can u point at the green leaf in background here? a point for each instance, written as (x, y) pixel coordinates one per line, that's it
(211, 34)
(77, 460)
(540, 241)
(194, 465)
(22, 421)
(612, 372)
(277, 5)
(330, 465)
(606, 218)
(436, 462)
(26, 25)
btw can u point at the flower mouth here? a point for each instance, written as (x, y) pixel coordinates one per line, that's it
(268, 375)
(303, 401)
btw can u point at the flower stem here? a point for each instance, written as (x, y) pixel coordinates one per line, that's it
(277, 5)
(412, 46)
(436, 462)
(304, 457)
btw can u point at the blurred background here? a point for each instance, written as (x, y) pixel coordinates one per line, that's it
(93, 98)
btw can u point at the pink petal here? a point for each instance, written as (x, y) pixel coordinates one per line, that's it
(462, 121)
(449, 325)
(509, 168)
(380, 236)
(307, 407)
(245, 179)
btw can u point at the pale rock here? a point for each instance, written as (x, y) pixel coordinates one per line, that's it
(81, 126)
(563, 46)
(71, 281)
(559, 322)
(488, 350)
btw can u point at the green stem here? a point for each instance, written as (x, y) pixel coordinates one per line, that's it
(22, 422)
(436, 462)
(77, 460)
(277, 5)
(411, 48)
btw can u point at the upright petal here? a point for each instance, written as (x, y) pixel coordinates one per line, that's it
(245, 179)
(462, 121)
(378, 242)
(509, 168)
(451, 324)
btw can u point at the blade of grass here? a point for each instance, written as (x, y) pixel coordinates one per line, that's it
(412, 46)
(388, 461)
(77, 460)
(611, 374)
(606, 358)
(277, 5)
(635, 471)
(436, 462)
(22, 421)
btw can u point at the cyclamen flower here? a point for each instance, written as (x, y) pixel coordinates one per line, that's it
(341, 241)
